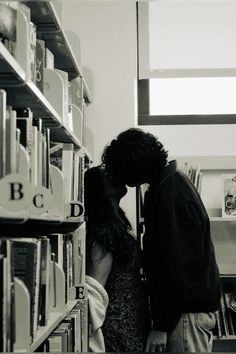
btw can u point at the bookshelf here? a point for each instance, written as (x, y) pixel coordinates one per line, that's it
(44, 96)
(223, 228)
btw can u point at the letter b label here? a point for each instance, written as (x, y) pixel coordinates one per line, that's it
(16, 193)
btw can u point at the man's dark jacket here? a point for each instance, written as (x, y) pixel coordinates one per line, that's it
(179, 257)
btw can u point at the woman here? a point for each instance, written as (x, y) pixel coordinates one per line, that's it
(115, 260)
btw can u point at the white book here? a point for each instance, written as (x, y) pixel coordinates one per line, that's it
(77, 92)
(64, 77)
(24, 163)
(60, 259)
(17, 150)
(11, 164)
(49, 59)
(70, 115)
(55, 344)
(67, 170)
(32, 53)
(76, 179)
(24, 121)
(34, 156)
(3, 99)
(77, 259)
(22, 50)
(40, 158)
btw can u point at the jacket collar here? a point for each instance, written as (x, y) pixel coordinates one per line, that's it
(168, 170)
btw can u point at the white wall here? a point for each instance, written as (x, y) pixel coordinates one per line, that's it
(197, 140)
(107, 30)
(192, 34)
(108, 41)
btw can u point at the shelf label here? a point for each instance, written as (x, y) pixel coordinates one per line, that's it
(80, 295)
(41, 200)
(16, 192)
(74, 210)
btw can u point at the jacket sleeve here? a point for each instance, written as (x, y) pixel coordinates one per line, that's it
(176, 247)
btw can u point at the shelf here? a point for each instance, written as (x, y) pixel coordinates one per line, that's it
(209, 162)
(44, 15)
(223, 219)
(32, 210)
(54, 321)
(227, 270)
(24, 93)
(227, 276)
(37, 226)
(62, 135)
(11, 72)
(229, 337)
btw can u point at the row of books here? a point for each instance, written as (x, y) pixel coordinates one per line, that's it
(226, 316)
(13, 15)
(69, 335)
(71, 163)
(40, 63)
(227, 191)
(69, 255)
(33, 261)
(23, 134)
(20, 131)
(194, 174)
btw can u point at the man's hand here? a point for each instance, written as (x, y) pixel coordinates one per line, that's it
(156, 341)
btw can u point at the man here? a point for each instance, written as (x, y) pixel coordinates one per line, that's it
(179, 258)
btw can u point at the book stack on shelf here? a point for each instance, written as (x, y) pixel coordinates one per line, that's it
(225, 330)
(194, 174)
(42, 163)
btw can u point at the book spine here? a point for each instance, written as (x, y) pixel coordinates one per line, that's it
(32, 53)
(3, 100)
(40, 63)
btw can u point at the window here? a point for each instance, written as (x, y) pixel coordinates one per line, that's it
(187, 62)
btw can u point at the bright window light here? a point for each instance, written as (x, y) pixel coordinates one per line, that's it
(176, 96)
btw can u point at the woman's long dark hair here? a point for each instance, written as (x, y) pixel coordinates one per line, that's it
(104, 227)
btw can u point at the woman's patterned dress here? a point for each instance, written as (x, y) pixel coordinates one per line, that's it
(127, 321)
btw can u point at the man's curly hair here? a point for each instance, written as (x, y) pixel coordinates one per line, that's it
(134, 156)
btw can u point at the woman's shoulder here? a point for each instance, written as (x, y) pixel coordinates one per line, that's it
(101, 263)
